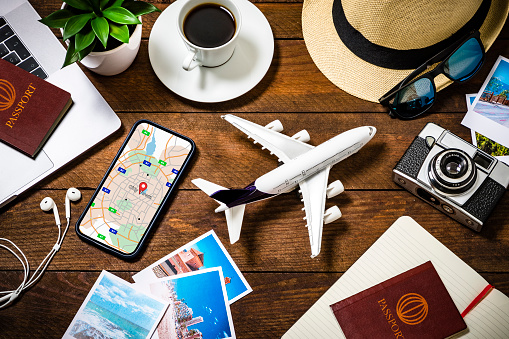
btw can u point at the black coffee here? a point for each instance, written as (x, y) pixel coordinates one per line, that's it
(209, 25)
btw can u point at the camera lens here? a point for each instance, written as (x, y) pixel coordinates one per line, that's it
(454, 165)
(453, 168)
(452, 171)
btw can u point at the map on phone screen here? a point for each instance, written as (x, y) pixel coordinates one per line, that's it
(135, 187)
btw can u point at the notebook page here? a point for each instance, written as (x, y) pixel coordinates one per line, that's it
(403, 246)
(489, 319)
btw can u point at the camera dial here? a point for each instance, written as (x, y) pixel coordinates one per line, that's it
(452, 171)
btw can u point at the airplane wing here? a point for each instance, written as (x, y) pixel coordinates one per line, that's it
(313, 192)
(284, 147)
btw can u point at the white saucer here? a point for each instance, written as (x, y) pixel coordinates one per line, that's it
(248, 65)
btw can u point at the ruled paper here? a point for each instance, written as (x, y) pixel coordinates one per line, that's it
(403, 246)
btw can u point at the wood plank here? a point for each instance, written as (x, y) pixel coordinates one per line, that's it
(284, 16)
(293, 83)
(276, 303)
(226, 156)
(273, 237)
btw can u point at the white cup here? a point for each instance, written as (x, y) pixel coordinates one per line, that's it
(203, 56)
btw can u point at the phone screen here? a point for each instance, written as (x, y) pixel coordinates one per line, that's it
(135, 187)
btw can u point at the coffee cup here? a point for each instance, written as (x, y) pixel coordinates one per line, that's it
(209, 29)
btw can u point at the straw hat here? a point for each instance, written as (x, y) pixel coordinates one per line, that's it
(366, 47)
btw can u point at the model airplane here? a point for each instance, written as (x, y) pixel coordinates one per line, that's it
(304, 165)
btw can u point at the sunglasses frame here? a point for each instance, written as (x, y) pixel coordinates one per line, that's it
(444, 56)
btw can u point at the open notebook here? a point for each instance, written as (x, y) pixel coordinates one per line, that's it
(402, 247)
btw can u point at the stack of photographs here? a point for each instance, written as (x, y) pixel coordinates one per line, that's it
(488, 112)
(200, 281)
(187, 294)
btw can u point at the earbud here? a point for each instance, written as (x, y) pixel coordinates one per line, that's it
(73, 194)
(47, 204)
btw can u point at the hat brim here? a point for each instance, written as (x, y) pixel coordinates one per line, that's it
(356, 76)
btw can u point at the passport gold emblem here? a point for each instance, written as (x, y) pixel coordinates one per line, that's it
(412, 308)
(7, 95)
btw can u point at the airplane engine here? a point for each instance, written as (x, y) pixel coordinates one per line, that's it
(302, 136)
(332, 214)
(276, 125)
(335, 188)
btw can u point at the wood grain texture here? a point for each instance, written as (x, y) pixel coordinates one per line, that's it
(283, 16)
(273, 236)
(292, 84)
(219, 145)
(273, 251)
(278, 301)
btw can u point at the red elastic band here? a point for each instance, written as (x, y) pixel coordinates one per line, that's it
(477, 300)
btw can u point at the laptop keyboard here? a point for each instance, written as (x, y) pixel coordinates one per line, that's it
(13, 50)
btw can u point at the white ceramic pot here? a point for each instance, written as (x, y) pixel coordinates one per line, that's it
(117, 60)
(114, 61)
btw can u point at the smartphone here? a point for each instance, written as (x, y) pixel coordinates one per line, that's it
(135, 188)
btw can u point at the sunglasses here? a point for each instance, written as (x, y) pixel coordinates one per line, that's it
(416, 93)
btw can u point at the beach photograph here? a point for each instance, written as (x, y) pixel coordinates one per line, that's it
(114, 309)
(493, 102)
(489, 112)
(204, 252)
(198, 307)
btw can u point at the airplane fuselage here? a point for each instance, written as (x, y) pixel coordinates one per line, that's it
(288, 176)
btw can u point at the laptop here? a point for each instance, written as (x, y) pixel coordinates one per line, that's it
(32, 46)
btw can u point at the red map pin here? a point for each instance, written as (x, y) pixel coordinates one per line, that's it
(143, 186)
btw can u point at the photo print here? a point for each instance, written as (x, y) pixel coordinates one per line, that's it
(115, 309)
(198, 305)
(204, 252)
(486, 144)
(489, 112)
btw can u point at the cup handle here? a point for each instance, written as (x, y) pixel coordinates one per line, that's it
(190, 61)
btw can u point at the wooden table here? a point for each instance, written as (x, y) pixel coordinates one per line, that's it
(273, 251)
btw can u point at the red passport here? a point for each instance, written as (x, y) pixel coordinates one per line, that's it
(414, 304)
(30, 108)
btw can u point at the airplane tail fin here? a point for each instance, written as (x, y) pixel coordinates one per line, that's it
(234, 215)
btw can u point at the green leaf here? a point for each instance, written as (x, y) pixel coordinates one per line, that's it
(57, 19)
(84, 5)
(83, 40)
(70, 57)
(101, 29)
(113, 3)
(96, 6)
(119, 32)
(83, 53)
(103, 3)
(120, 15)
(139, 8)
(76, 24)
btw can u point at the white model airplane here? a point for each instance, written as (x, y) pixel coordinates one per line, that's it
(304, 165)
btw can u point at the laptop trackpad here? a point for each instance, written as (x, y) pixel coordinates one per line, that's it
(18, 170)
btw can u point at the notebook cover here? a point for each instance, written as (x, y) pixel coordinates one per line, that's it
(414, 304)
(30, 108)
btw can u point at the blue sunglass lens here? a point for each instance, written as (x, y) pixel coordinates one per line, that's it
(465, 61)
(413, 99)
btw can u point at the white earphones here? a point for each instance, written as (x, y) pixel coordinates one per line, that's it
(47, 204)
(73, 195)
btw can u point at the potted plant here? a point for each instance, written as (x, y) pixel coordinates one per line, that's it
(104, 35)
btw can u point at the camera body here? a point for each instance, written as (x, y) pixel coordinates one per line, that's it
(452, 175)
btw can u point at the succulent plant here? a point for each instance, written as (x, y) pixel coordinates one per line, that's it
(88, 24)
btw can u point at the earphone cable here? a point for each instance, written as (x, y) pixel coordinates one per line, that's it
(28, 282)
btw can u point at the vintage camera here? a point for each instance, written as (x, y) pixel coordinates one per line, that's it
(452, 175)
